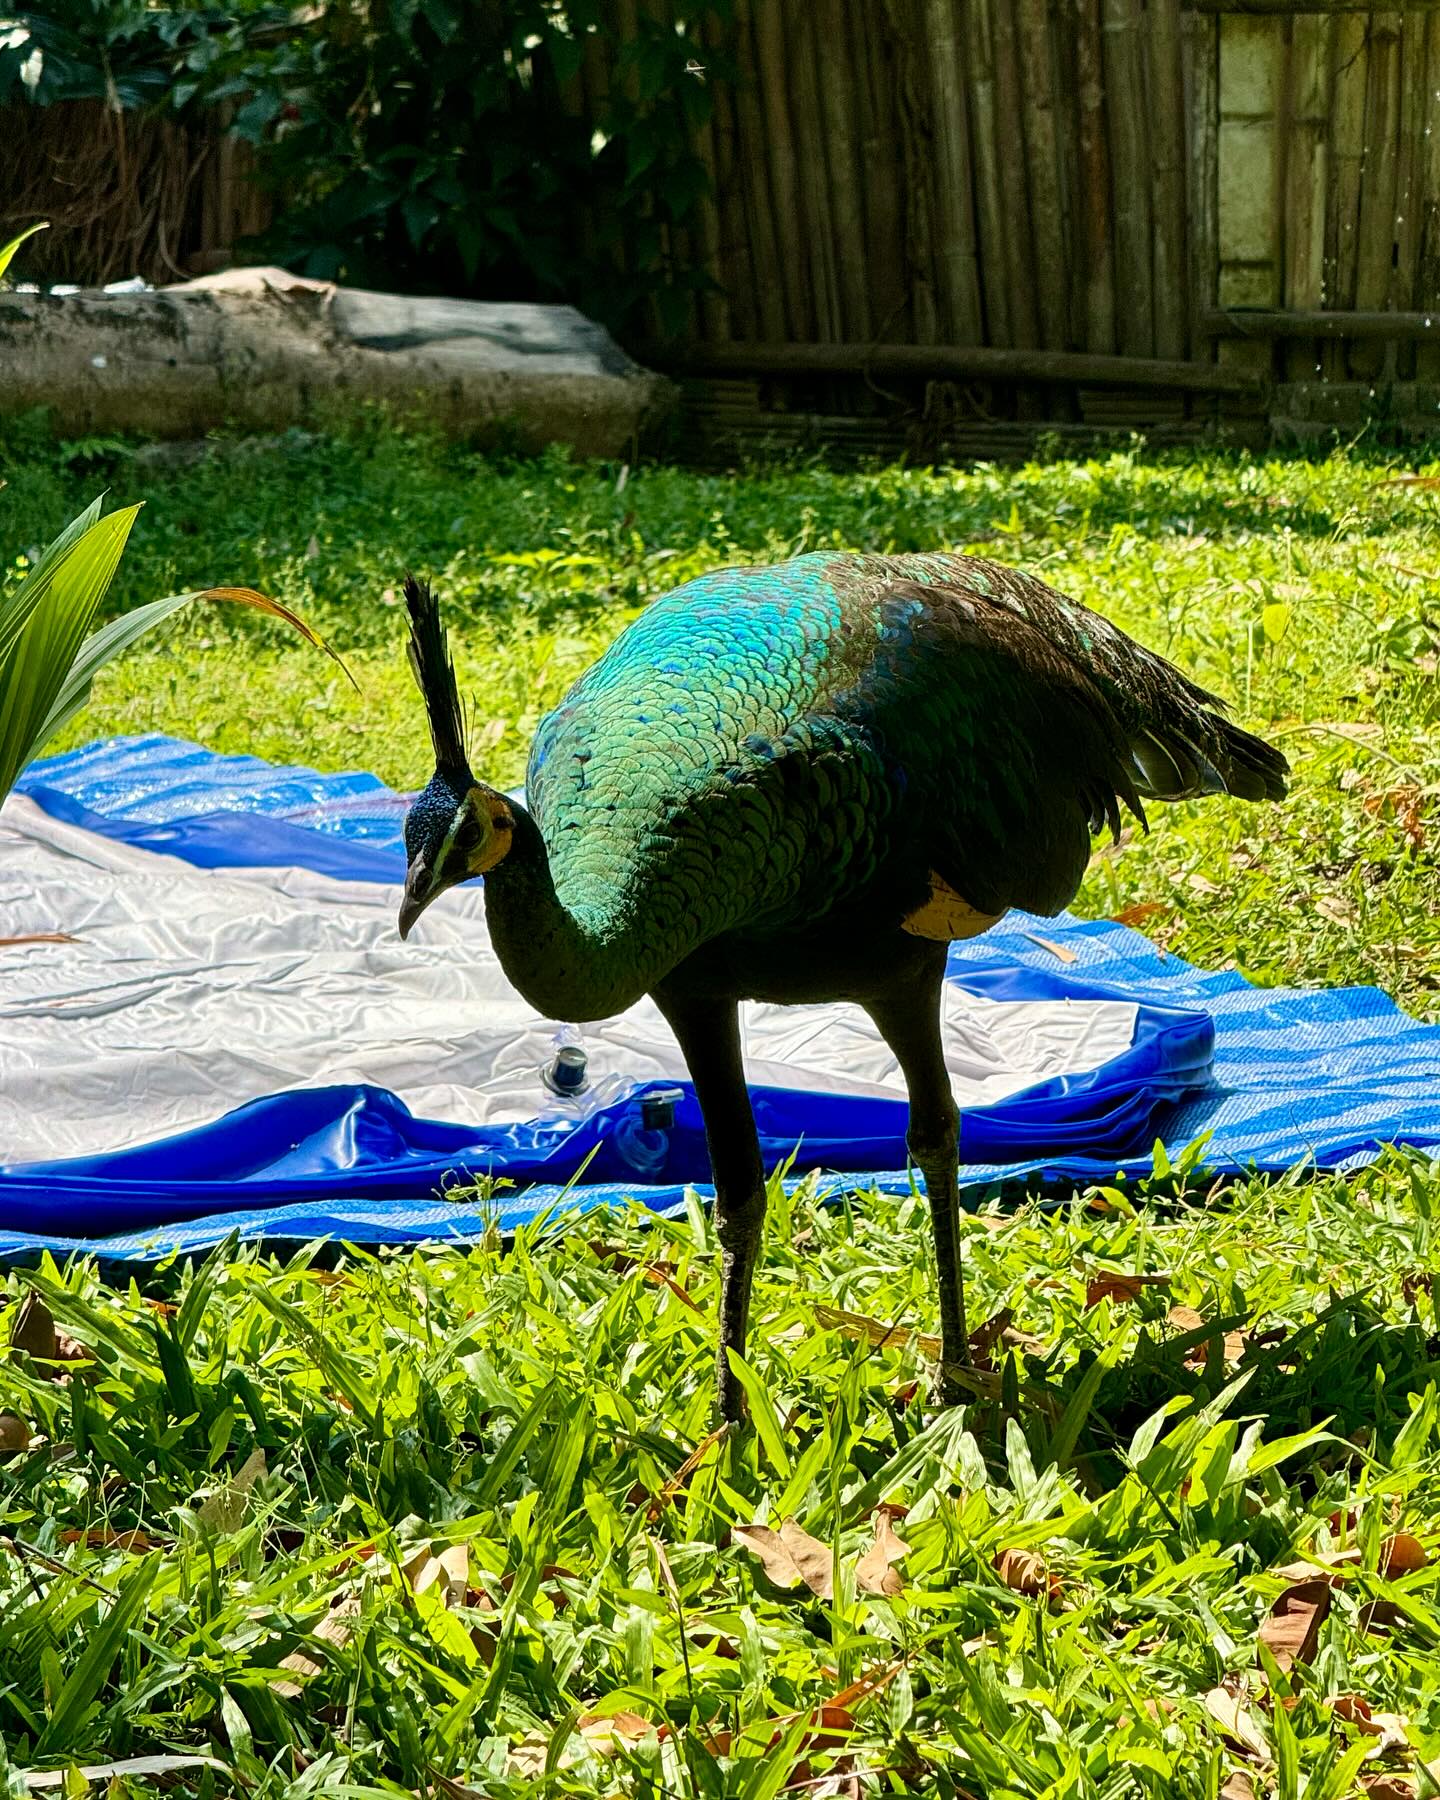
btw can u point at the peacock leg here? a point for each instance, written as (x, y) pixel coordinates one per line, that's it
(708, 1032)
(909, 1020)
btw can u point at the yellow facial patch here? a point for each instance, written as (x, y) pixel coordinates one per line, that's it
(945, 915)
(497, 830)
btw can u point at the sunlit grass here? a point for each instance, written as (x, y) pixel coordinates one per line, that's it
(509, 1427)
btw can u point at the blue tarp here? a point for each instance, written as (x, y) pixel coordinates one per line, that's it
(1276, 1077)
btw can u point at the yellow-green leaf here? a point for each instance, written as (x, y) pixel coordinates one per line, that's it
(1275, 620)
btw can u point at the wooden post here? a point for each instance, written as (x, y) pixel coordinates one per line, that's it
(776, 153)
(1019, 254)
(816, 242)
(1409, 173)
(955, 258)
(767, 270)
(1042, 164)
(735, 272)
(1130, 160)
(841, 165)
(1427, 284)
(1376, 230)
(1249, 199)
(1201, 46)
(1307, 176)
(1349, 80)
(1167, 152)
(873, 58)
(1097, 253)
(991, 156)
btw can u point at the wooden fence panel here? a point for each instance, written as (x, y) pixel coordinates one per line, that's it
(1082, 178)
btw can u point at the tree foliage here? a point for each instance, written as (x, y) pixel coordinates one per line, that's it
(435, 145)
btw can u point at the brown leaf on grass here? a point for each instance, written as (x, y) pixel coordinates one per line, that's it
(1388, 1787)
(32, 1328)
(14, 1434)
(1401, 1554)
(1238, 1787)
(224, 1510)
(1390, 1728)
(1380, 1617)
(1292, 1630)
(607, 1734)
(449, 1571)
(1185, 1319)
(875, 1573)
(1405, 806)
(1231, 1712)
(790, 1556)
(872, 1331)
(1111, 1284)
(985, 1337)
(677, 1482)
(101, 1537)
(1139, 913)
(335, 1629)
(1025, 1571)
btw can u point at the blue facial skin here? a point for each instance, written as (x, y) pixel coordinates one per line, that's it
(431, 815)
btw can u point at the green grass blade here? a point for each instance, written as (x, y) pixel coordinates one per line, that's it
(119, 634)
(763, 1415)
(17, 606)
(39, 656)
(7, 251)
(86, 1680)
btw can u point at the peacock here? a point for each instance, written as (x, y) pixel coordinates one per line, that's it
(801, 783)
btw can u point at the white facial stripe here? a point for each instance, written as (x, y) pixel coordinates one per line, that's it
(462, 815)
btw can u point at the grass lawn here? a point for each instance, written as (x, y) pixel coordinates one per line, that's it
(489, 1547)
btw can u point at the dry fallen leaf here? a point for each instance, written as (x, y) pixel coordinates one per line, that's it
(32, 1328)
(676, 1484)
(101, 1537)
(1231, 1712)
(1026, 1573)
(872, 1331)
(449, 1571)
(224, 1510)
(336, 1628)
(1292, 1630)
(1238, 1787)
(1388, 1787)
(1111, 1284)
(1401, 1554)
(1185, 1319)
(1390, 1728)
(790, 1556)
(875, 1572)
(14, 1434)
(1139, 913)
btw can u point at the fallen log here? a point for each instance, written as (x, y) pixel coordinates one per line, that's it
(261, 349)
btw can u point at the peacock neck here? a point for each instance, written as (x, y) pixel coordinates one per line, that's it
(574, 962)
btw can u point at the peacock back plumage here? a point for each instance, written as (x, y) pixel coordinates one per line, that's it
(766, 747)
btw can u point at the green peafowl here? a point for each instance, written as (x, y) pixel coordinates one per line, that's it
(801, 783)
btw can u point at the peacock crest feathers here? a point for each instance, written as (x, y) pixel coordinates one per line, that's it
(434, 671)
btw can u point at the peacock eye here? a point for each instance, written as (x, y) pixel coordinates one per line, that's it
(468, 836)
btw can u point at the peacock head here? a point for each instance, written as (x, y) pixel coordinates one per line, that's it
(457, 828)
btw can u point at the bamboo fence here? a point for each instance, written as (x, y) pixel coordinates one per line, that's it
(1087, 210)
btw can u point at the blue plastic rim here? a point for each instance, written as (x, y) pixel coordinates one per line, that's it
(1275, 1077)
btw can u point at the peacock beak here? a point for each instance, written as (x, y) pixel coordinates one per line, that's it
(421, 888)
